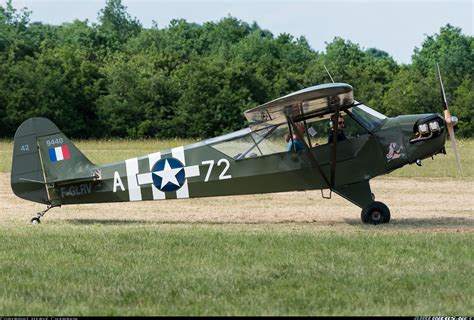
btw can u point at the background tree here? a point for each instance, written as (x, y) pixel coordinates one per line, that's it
(116, 26)
(415, 89)
(116, 78)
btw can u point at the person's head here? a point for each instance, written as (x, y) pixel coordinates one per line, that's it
(339, 121)
(341, 124)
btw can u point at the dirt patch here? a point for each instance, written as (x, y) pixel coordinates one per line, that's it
(415, 204)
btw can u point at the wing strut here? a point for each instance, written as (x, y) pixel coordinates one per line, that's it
(313, 160)
(334, 144)
(311, 157)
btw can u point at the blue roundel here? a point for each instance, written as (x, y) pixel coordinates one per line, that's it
(168, 174)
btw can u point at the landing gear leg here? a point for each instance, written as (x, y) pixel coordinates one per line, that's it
(36, 220)
(375, 213)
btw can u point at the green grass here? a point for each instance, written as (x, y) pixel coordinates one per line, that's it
(83, 267)
(106, 151)
(138, 268)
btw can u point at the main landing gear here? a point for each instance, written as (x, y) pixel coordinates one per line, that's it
(375, 213)
(39, 215)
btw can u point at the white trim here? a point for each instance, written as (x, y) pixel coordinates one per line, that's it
(134, 190)
(152, 159)
(178, 153)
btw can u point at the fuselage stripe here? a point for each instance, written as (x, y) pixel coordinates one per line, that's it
(178, 153)
(134, 190)
(157, 194)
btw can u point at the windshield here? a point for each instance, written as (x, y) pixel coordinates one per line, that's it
(367, 117)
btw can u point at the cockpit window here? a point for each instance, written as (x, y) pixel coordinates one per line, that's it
(367, 117)
(244, 144)
(271, 140)
(251, 144)
(321, 131)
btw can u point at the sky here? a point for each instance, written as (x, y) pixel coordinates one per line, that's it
(396, 27)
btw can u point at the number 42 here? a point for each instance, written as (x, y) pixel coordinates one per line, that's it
(223, 175)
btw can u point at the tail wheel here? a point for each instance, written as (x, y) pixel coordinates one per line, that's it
(375, 213)
(35, 221)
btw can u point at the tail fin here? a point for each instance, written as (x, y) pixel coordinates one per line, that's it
(43, 156)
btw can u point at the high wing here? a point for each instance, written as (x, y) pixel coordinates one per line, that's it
(302, 104)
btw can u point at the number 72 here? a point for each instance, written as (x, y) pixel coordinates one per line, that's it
(223, 175)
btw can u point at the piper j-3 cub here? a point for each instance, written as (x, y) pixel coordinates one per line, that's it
(315, 138)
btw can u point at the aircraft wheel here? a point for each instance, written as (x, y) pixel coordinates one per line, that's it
(375, 213)
(35, 220)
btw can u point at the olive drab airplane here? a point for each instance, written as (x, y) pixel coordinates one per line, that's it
(315, 138)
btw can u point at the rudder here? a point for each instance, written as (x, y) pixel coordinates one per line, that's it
(43, 156)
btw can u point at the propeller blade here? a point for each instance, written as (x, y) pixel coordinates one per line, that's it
(455, 149)
(450, 121)
(443, 94)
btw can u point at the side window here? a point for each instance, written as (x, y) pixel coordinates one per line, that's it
(321, 132)
(275, 139)
(236, 148)
(263, 142)
(318, 129)
(273, 142)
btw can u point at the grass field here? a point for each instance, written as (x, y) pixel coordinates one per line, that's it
(155, 269)
(277, 254)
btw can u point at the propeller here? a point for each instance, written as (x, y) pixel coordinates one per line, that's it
(451, 121)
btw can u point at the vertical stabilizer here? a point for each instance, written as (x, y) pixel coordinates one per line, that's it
(42, 156)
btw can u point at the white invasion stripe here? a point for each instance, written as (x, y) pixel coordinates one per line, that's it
(183, 192)
(152, 159)
(178, 153)
(192, 171)
(59, 153)
(144, 178)
(134, 190)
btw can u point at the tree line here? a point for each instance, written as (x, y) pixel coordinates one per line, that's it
(117, 78)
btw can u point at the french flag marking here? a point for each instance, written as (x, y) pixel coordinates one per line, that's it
(59, 153)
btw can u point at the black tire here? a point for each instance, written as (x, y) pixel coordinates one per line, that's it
(35, 221)
(375, 213)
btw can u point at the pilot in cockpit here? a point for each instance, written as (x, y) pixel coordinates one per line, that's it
(340, 126)
(295, 144)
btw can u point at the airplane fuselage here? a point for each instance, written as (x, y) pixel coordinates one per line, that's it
(203, 171)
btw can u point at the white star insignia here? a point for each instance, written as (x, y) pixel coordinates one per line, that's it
(168, 175)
